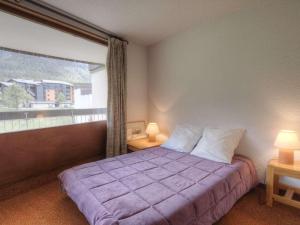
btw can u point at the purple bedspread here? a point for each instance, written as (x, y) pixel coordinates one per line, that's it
(157, 187)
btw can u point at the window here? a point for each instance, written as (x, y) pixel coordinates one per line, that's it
(48, 78)
(38, 91)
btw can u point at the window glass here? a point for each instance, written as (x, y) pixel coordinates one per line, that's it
(38, 91)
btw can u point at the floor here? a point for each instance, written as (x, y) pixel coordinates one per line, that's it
(47, 205)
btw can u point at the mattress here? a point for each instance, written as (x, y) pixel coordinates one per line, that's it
(157, 186)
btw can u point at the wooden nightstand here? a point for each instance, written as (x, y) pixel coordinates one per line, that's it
(274, 171)
(141, 144)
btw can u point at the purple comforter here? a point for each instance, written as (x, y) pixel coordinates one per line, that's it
(157, 187)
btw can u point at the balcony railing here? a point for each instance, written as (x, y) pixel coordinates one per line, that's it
(11, 121)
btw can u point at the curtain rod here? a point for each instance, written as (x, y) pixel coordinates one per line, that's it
(41, 12)
(64, 13)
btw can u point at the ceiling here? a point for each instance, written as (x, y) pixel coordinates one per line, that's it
(147, 22)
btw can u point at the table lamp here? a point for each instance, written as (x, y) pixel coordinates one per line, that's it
(152, 130)
(287, 141)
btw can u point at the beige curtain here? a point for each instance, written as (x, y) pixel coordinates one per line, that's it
(116, 103)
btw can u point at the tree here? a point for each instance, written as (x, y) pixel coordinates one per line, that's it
(15, 96)
(60, 98)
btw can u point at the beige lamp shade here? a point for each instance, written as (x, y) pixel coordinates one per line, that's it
(287, 139)
(152, 130)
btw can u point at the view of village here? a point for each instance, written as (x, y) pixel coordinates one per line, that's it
(48, 92)
(43, 94)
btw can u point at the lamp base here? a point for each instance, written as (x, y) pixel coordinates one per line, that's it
(286, 156)
(152, 138)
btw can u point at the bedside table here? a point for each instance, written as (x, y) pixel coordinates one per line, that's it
(141, 144)
(274, 171)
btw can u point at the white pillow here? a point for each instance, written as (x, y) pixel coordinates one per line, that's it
(183, 139)
(218, 144)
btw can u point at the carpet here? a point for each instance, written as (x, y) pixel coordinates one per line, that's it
(47, 205)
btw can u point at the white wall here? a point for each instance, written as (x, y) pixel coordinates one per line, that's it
(242, 71)
(137, 100)
(99, 89)
(82, 101)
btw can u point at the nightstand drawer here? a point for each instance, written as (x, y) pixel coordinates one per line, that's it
(141, 144)
(132, 148)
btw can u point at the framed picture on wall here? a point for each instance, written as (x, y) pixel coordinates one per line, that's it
(136, 130)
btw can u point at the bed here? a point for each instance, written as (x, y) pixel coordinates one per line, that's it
(157, 186)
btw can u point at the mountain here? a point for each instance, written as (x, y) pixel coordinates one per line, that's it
(31, 67)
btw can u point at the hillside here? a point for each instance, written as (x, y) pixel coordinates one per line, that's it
(23, 66)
